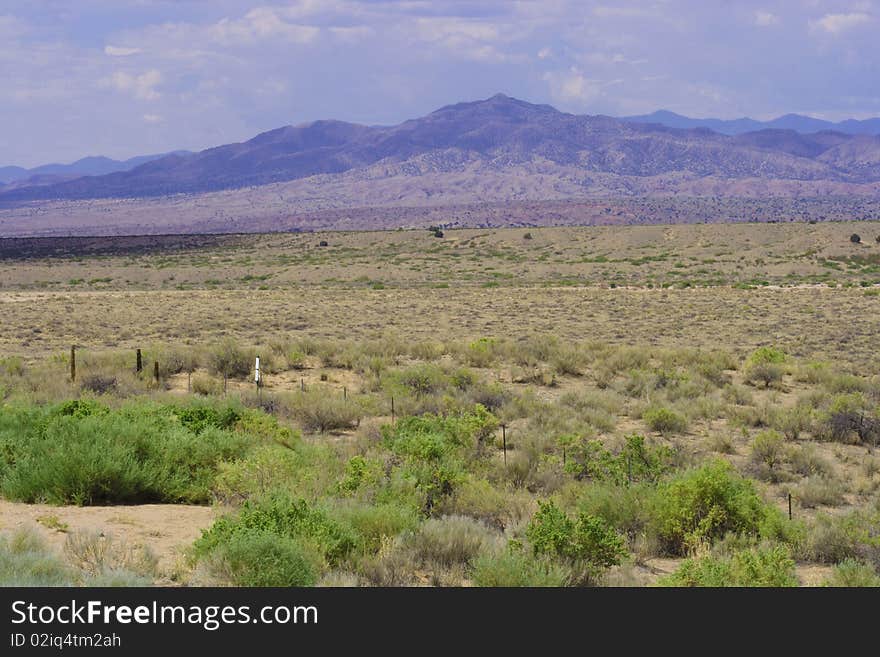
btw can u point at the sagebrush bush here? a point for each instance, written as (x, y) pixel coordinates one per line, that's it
(514, 567)
(806, 461)
(832, 539)
(203, 384)
(320, 411)
(664, 420)
(498, 506)
(100, 555)
(482, 353)
(25, 560)
(766, 373)
(765, 365)
(819, 490)
(450, 540)
(768, 449)
(228, 359)
(849, 419)
(852, 573)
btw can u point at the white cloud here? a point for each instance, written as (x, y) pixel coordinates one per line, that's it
(141, 86)
(259, 24)
(544, 53)
(153, 118)
(765, 18)
(465, 38)
(118, 51)
(837, 23)
(352, 34)
(572, 87)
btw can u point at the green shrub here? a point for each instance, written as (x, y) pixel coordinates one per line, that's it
(434, 449)
(792, 422)
(767, 355)
(622, 507)
(636, 461)
(764, 567)
(284, 516)
(588, 544)
(703, 504)
(11, 366)
(263, 558)
(495, 505)
(375, 523)
(82, 454)
(515, 568)
(359, 472)
(664, 420)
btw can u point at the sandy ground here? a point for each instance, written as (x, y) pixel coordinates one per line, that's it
(166, 529)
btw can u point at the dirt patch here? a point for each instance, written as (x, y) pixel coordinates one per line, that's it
(167, 529)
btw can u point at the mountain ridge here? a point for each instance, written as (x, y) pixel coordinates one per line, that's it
(797, 122)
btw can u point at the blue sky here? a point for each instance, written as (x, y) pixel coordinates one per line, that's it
(129, 77)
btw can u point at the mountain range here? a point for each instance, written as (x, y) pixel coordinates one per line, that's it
(87, 166)
(796, 122)
(500, 150)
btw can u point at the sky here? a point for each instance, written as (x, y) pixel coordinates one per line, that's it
(132, 77)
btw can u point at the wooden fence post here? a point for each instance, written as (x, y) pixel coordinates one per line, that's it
(73, 363)
(139, 363)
